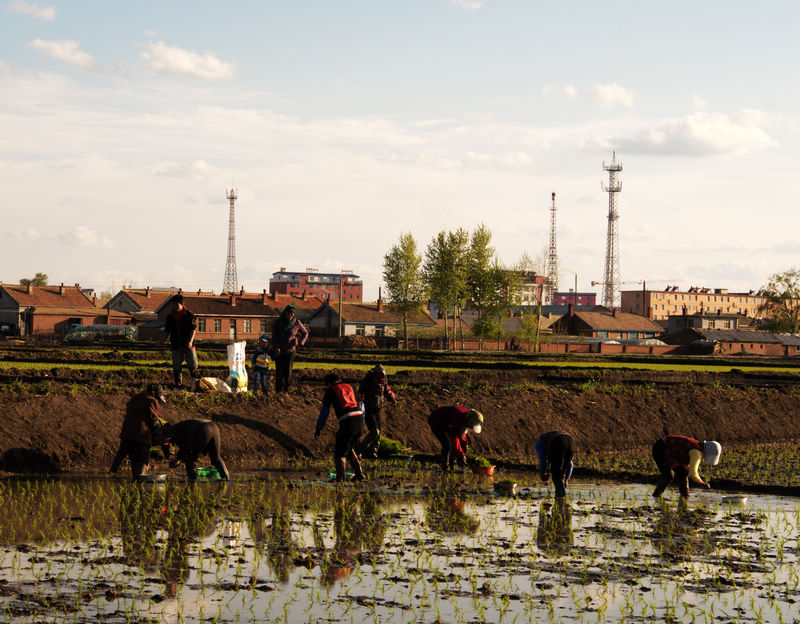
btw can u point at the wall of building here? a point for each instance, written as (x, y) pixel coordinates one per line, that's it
(659, 305)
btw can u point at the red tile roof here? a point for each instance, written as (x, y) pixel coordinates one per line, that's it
(47, 296)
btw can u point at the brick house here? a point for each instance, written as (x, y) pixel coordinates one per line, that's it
(312, 283)
(600, 322)
(660, 304)
(363, 319)
(142, 303)
(51, 310)
(732, 342)
(701, 320)
(231, 317)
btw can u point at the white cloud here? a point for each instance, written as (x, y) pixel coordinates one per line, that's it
(81, 236)
(571, 92)
(26, 8)
(699, 103)
(166, 59)
(199, 170)
(468, 5)
(613, 94)
(65, 50)
(30, 234)
(701, 134)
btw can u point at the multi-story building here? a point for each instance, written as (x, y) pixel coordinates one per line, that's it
(312, 283)
(660, 304)
(575, 298)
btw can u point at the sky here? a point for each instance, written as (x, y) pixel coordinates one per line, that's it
(343, 124)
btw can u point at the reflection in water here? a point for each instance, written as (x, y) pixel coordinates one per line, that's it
(186, 512)
(448, 514)
(276, 539)
(555, 525)
(679, 531)
(359, 528)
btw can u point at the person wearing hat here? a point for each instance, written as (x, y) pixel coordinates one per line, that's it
(288, 333)
(555, 450)
(374, 390)
(679, 456)
(260, 364)
(450, 424)
(140, 430)
(342, 398)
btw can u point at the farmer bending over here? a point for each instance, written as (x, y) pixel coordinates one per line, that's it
(450, 424)
(140, 430)
(679, 456)
(351, 424)
(193, 438)
(555, 450)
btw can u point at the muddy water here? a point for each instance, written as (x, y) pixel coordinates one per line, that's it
(408, 548)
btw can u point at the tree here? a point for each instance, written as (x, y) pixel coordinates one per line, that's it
(782, 301)
(482, 281)
(40, 279)
(445, 271)
(402, 274)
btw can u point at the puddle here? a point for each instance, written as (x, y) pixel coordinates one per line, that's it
(415, 549)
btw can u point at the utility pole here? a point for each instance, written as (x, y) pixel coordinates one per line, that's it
(341, 277)
(611, 272)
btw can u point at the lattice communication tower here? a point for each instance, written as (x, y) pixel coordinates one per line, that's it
(551, 275)
(230, 284)
(611, 274)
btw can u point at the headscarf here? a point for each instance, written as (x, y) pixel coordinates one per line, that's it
(711, 452)
(285, 318)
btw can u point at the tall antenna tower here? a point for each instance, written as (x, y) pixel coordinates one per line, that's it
(611, 277)
(551, 275)
(230, 284)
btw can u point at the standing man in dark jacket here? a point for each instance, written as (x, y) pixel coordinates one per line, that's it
(342, 398)
(374, 390)
(288, 333)
(450, 424)
(556, 450)
(139, 430)
(181, 327)
(193, 438)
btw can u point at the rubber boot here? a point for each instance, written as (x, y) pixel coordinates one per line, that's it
(340, 469)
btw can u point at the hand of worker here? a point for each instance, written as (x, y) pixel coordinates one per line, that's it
(708, 485)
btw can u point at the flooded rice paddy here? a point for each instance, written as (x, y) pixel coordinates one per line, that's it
(406, 547)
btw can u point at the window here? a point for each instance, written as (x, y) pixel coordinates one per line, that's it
(263, 326)
(380, 332)
(201, 325)
(360, 330)
(248, 326)
(217, 326)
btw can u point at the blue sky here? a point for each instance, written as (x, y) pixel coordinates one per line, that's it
(343, 124)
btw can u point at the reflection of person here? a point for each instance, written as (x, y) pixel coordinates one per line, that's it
(374, 390)
(260, 364)
(193, 515)
(679, 457)
(555, 528)
(139, 429)
(448, 514)
(555, 450)
(342, 398)
(288, 333)
(181, 327)
(193, 438)
(140, 517)
(450, 424)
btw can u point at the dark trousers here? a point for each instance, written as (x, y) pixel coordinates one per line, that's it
(447, 457)
(370, 444)
(668, 474)
(559, 456)
(139, 454)
(283, 371)
(204, 441)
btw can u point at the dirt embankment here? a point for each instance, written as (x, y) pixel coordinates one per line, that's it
(602, 410)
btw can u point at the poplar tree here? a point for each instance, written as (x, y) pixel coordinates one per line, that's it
(782, 301)
(404, 280)
(446, 272)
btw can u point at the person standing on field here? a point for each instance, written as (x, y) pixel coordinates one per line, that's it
(260, 364)
(555, 450)
(140, 430)
(288, 333)
(181, 327)
(342, 398)
(374, 390)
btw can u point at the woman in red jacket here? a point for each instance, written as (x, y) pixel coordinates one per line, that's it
(450, 424)
(679, 456)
